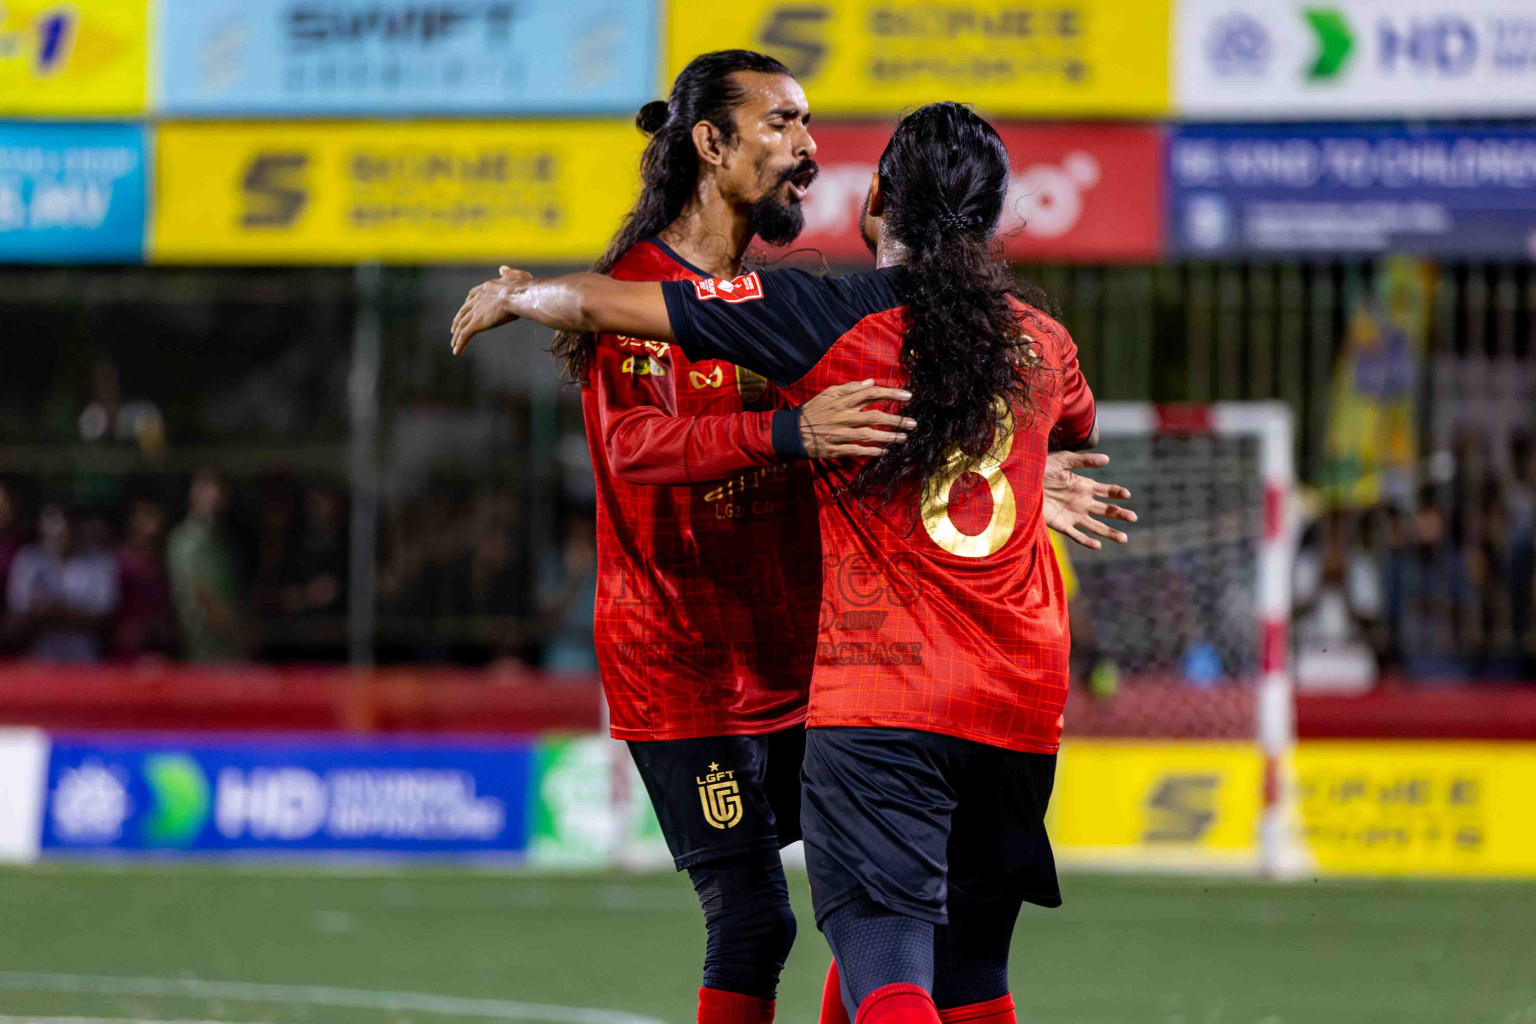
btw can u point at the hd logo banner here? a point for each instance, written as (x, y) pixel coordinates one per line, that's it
(84, 58)
(1009, 57)
(417, 192)
(1256, 59)
(71, 193)
(405, 57)
(110, 794)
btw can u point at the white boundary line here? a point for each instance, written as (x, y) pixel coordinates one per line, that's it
(314, 995)
(33, 1018)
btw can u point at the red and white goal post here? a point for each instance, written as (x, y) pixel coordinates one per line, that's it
(1180, 727)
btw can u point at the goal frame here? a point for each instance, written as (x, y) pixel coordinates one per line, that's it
(1279, 851)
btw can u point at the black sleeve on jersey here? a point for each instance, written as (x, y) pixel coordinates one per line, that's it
(783, 334)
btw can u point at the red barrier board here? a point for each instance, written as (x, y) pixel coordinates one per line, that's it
(1448, 712)
(1079, 192)
(236, 698)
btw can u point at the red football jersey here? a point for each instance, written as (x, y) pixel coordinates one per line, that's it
(707, 541)
(943, 611)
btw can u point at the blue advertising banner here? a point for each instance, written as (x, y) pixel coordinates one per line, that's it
(319, 57)
(1440, 191)
(307, 795)
(71, 193)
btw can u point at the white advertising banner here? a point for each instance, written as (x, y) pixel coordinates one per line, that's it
(1254, 60)
(23, 773)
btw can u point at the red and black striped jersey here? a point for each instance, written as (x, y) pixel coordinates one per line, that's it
(708, 551)
(943, 610)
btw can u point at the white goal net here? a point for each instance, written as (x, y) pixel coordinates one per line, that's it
(1182, 635)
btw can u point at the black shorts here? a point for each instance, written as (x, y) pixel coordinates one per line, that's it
(719, 795)
(900, 815)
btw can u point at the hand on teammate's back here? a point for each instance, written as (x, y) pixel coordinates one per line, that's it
(839, 423)
(1071, 501)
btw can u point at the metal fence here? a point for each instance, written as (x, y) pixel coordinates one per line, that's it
(459, 479)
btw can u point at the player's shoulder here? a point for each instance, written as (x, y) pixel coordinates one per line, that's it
(873, 291)
(651, 259)
(851, 295)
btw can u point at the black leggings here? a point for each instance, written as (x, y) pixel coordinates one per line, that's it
(962, 962)
(749, 921)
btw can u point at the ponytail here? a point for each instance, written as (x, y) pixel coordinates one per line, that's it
(944, 177)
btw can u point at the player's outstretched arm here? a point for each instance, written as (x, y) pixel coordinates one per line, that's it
(1071, 500)
(836, 423)
(571, 302)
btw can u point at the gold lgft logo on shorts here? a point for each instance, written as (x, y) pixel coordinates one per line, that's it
(721, 796)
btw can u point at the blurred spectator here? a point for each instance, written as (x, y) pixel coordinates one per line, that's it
(314, 576)
(146, 619)
(10, 532)
(1337, 615)
(63, 589)
(275, 523)
(413, 531)
(1521, 501)
(490, 578)
(568, 597)
(1432, 587)
(310, 622)
(1485, 618)
(201, 563)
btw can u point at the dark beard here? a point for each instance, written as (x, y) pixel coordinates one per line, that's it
(775, 221)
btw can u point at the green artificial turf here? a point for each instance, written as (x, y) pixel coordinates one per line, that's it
(149, 942)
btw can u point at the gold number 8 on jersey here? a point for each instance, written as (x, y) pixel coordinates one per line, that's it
(936, 492)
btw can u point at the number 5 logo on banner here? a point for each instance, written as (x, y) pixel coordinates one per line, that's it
(798, 35)
(275, 189)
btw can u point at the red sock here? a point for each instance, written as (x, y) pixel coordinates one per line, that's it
(898, 1004)
(717, 1006)
(993, 1011)
(832, 1009)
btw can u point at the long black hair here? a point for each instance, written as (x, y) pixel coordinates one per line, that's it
(705, 90)
(944, 178)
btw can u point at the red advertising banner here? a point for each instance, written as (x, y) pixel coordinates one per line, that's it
(1080, 192)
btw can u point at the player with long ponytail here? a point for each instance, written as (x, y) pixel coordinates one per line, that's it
(965, 351)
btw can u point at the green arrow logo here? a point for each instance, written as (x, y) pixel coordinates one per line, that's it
(1334, 42)
(181, 800)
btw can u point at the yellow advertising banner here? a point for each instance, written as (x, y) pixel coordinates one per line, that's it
(1010, 58)
(405, 192)
(1157, 803)
(1421, 808)
(85, 58)
(1369, 807)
